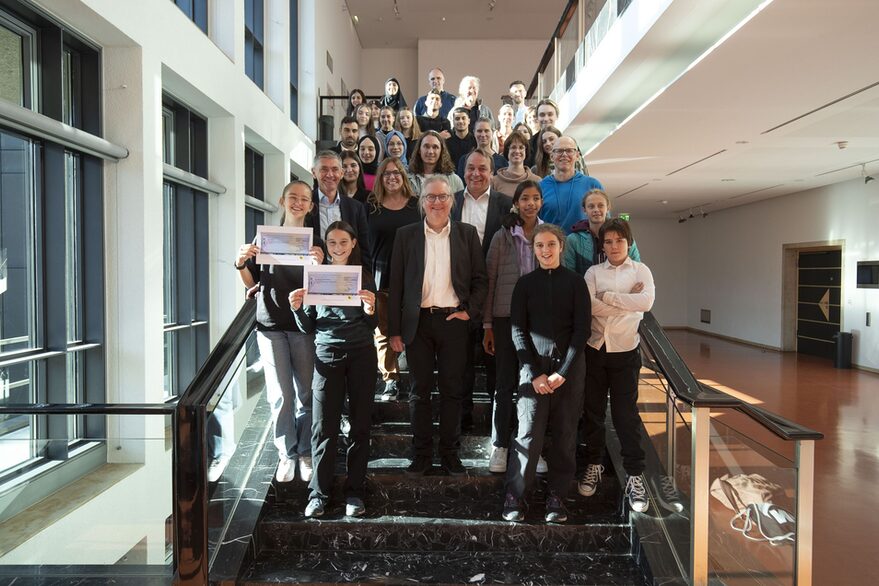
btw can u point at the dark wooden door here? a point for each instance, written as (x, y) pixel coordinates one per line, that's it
(819, 294)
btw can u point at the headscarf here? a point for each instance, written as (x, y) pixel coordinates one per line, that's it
(396, 101)
(399, 134)
(370, 168)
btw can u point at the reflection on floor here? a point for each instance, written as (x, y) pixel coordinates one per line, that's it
(842, 404)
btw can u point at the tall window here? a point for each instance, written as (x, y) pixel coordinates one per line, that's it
(254, 186)
(254, 40)
(185, 241)
(51, 245)
(196, 10)
(294, 61)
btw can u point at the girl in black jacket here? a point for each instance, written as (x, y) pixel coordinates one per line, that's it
(344, 355)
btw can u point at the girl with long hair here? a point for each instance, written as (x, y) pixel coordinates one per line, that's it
(431, 157)
(543, 158)
(352, 183)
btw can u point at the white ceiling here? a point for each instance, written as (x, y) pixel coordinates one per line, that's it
(378, 26)
(758, 117)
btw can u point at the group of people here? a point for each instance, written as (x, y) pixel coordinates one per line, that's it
(460, 255)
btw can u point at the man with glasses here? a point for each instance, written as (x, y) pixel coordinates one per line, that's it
(564, 189)
(437, 80)
(438, 285)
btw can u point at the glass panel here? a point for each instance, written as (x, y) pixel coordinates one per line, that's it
(90, 523)
(168, 136)
(741, 447)
(74, 391)
(11, 67)
(17, 218)
(72, 264)
(170, 364)
(16, 431)
(170, 251)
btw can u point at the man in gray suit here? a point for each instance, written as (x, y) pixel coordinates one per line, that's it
(438, 285)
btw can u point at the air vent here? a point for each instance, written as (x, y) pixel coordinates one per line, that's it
(705, 316)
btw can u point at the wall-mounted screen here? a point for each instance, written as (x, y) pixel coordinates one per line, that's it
(868, 274)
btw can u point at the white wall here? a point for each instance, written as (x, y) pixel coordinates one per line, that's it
(334, 32)
(495, 63)
(377, 65)
(663, 248)
(735, 262)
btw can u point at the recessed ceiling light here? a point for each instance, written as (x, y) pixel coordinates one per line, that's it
(741, 142)
(727, 179)
(356, 19)
(444, 19)
(663, 201)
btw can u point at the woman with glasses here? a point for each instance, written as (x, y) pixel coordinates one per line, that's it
(286, 354)
(390, 206)
(431, 157)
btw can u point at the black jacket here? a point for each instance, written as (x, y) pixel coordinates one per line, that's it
(353, 212)
(469, 278)
(498, 206)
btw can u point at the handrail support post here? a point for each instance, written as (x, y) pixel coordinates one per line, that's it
(700, 452)
(805, 466)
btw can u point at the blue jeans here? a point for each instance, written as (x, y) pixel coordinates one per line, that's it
(288, 366)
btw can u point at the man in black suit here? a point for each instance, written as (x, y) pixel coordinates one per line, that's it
(438, 286)
(331, 206)
(349, 132)
(483, 208)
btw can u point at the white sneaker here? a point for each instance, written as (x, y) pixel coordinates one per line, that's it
(588, 482)
(216, 468)
(305, 469)
(286, 470)
(498, 460)
(637, 493)
(542, 466)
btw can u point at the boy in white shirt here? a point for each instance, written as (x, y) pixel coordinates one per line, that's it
(621, 290)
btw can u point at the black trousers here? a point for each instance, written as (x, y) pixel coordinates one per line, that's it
(476, 355)
(507, 376)
(339, 373)
(615, 373)
(440, 344)
(561, 409)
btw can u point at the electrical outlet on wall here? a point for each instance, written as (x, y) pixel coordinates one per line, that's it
(868, 319)
(705, 316)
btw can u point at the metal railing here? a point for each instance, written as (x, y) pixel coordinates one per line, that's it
(703, 401)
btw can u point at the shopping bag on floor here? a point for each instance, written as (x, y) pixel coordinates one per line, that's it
(757, 518)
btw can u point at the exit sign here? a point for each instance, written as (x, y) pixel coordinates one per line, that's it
(624, 217)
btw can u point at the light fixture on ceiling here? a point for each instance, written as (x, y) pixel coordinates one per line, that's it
(867, 178)
(691, 216)
(841, 144)
(355, 18)
(681, 219)
(704, 213)
(396, 9)
(491, 5)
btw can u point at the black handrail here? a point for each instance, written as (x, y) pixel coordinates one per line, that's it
(561, 27)
(88, 408)
(190, 457)
(686, 388)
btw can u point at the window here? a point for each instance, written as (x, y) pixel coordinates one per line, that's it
(51, 245)
(294, 61)
(196, 10)
(185, 241)
(254, 186)
(254, 40)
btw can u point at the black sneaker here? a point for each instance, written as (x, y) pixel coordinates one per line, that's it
(315, 508)
(452, 465)
(555, 509)
(466, 422)
(420, 465)
(514, 509)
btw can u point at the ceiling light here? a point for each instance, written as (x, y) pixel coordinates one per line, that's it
(727, 180)
(663, 201)
(681, 220)
(867, 178)
(841, 144)
(691, 216)
(741, 142)
(444, 19)
(355, 19)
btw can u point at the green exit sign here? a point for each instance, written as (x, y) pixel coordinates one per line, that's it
(624, 217)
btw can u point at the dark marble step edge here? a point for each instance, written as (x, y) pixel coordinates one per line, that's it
(280, 518)
(462, 567)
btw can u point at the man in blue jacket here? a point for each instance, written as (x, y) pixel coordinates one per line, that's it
(437, 80)
(564, 189)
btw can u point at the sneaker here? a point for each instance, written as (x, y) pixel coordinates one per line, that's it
(498, 460)
(668, 495)
(345, 426)
(514, 509)
(420, 465)
(542, 466)
(555, 509)
(286, 470)
(315, 508)
(354, 507)
(392, 390)
(305, 468)
(216, 468)
(588, 482)
(452, 465)
(637, 493)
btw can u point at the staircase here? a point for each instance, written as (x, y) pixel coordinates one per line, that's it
(438, 529)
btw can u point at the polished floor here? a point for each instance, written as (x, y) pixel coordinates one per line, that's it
(842, 404)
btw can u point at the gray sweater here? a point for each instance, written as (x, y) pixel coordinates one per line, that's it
(502, 264)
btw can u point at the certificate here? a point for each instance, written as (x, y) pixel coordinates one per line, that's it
(283, 245)
(332, 285)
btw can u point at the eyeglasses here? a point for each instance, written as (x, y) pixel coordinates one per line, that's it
(568, 152)
(392, 174)
(441, 198)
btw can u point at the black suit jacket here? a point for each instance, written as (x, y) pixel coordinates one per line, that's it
(353, 212)
(469, 278)
(498, 206)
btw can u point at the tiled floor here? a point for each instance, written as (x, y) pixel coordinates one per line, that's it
(844, 405)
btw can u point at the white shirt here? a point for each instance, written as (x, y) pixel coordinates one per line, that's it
(520, 114)
(475, 211)
(615, 319)
(437, 289)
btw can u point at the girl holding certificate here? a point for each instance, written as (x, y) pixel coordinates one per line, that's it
(287, 355)
(344, 355)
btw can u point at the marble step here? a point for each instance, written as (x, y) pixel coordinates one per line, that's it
(398, 409)
(443, 568)
(399, 445)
